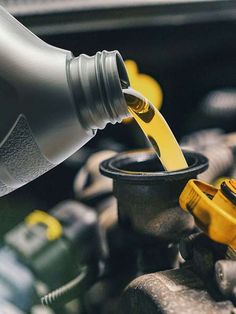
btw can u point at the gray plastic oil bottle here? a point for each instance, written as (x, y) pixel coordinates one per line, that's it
(51, 102)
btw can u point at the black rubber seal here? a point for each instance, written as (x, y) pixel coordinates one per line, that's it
(144, 165)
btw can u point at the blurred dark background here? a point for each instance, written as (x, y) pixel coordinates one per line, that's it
(189, 47)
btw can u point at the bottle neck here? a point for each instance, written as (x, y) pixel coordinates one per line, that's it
(97, 84)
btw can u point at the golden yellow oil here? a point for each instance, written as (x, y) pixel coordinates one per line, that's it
(156, 129)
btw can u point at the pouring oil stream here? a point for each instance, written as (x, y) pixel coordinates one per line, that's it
(156, 129)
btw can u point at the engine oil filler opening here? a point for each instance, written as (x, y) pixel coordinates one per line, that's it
(143, 165)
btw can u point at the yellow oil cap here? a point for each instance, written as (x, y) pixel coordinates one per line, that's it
(214, 209)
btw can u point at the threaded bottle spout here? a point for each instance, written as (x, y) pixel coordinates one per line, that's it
(97, 84)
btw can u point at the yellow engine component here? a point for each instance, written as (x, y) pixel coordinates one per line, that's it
(219, 181)
(214, 209)
(145, 84)
(54, 228)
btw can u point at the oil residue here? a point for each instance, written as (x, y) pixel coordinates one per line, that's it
(156, 129)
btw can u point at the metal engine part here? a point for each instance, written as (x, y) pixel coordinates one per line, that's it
(168, 292)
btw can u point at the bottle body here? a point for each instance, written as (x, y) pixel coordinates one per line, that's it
(46, 106)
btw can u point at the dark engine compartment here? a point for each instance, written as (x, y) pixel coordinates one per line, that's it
(189, 47)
